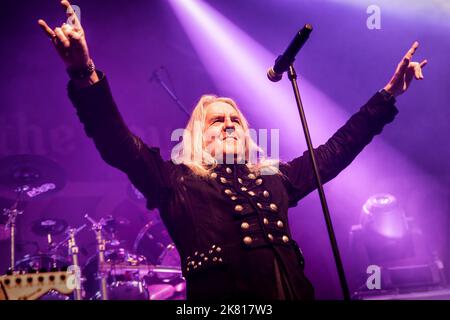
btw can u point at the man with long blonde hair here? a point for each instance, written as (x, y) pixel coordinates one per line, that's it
(228, 221)
(209, 140)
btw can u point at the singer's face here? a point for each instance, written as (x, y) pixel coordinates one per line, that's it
(224, 136)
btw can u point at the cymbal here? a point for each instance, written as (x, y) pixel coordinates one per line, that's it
(112, 224)
(45, 226)
(39, 174)
(116, 220)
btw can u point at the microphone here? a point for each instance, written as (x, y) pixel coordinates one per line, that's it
(283, 61)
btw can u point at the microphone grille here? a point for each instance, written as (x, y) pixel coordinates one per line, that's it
(273, 76)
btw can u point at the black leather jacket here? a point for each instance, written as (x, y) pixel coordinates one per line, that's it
(231, 230)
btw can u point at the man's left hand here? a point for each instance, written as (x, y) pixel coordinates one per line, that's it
(405, 72)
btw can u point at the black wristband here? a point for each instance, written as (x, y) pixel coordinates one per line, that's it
(83, 72)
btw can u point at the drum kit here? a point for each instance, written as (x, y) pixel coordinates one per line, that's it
(150, 270)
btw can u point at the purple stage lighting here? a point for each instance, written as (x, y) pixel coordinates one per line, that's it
(382, 214)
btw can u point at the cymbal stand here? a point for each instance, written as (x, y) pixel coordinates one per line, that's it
(12, 214)
(73, 251)
(101, 246)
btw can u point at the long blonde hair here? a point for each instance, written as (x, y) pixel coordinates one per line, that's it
(192, 152)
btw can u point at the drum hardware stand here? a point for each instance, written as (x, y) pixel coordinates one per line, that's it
(73, 250)
(51, 249)
(65, 241)
(12, 214)
(101, 246)
(50, 242)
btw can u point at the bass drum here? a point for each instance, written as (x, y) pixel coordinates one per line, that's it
(154, 243)
(44, 262)
(129, 286)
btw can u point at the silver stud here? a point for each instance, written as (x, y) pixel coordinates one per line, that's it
(213, 246)
(213, 175)
(245, 225)
(228, 170)
(218, 249)
(266, 194)
(195, 253)
(266, 221)
(258, 181)
(244, 189)
(228, 191)
(215, 259)
(259, 205)
(210, 251)
(270, 237)
(248, 240)
(238, 208)
(251, 193)
(285, 239)
(273, 207)
(202, 255)
(233, 198)
(223, 180)
(240, 180)
(220, 260)
(199, 263)
(205, 258)
(187, 269)
(280, 224)
(195, 266)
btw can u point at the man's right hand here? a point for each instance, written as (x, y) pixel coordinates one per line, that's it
(70, 42)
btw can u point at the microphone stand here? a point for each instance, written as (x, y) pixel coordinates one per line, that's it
(292, 74)
(155, 76)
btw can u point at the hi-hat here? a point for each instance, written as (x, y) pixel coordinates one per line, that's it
(52, 226)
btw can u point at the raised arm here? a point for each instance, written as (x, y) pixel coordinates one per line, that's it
(343, 147)
(90, 93)
(70, 42)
